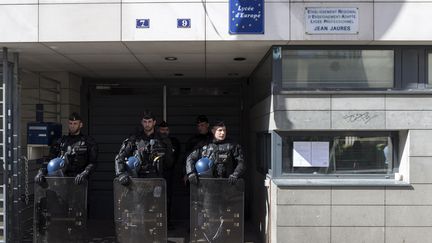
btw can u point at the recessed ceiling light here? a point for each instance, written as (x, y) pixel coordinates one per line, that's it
(171, 58)
(178, 74)
(239, 59)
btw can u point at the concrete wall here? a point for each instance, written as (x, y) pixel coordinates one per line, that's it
(59, 92)
(343, 111)
(114, 20)
(354, 214)
(261, 194)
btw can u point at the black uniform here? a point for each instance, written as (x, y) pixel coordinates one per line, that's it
(176, 148)
(197, 141)
(154, 152)
(83, 153)
(169, 175)
(227, 157)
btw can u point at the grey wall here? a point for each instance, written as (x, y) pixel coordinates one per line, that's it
(353, 214)
(59, 92)
(259, 122)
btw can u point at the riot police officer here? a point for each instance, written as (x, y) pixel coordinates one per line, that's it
(144, 154)
(203, 137)
(164, 131)
(225, 158)
(79, 151)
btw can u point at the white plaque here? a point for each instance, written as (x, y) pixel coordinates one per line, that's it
(302, 154)
(320, 154)
(311, 154)
(331, 21)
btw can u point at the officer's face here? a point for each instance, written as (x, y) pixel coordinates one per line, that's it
(75, 127)
(219, 133)
(202, 127)
(164, 130)
(148, 124)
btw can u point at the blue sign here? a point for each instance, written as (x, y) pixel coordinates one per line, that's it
(246, 17)
(142, 23)
(183, 23)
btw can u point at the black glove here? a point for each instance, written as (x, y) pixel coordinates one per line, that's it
(232, 179)
(124, 179)
(40, 178)
(193, 178)
(81, 177)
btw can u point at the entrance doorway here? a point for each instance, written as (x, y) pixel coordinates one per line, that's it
(113, 111)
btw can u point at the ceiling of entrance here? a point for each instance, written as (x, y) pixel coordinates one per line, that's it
(144, 59)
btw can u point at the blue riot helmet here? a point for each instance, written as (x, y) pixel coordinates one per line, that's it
(204, 166)
(133, 164)
(55, 167)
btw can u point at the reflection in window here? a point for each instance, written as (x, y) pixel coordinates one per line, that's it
(321, 69)
(348, 154)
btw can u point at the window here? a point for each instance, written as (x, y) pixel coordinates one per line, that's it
(337, 69)
(339, 153)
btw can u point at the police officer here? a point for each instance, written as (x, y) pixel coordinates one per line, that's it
(80, 151)
(152, 153)
(164, 131)
(203, 136)
(226, 157)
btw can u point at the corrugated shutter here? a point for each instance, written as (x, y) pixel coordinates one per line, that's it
(114, 112)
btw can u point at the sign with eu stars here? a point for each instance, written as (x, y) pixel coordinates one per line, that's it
(246, 17)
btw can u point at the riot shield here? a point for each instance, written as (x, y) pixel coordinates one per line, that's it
(140, 211)
(216, 211)
(60, 211)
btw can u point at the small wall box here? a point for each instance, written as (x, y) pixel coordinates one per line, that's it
(43, 132)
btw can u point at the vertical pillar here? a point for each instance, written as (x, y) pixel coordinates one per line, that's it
(7, 150)
(10, 149)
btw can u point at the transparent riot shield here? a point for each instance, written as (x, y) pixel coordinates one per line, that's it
(60, 211)
(140, 211)
(216, 211)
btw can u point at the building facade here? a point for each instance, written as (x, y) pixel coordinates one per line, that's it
(330, 99)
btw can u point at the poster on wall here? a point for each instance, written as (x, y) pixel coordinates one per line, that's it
(311, 154)
(246, 17)
(331, 20)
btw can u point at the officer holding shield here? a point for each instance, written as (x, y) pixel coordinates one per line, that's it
(139, 188)
(73, 155)
(145, 154)
(216, 206)
(221, 158)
